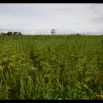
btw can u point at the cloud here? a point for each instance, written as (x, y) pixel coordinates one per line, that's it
(98, 20)
(97, 9)
(65, 18)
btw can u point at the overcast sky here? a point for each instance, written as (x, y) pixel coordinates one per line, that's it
(41, 18)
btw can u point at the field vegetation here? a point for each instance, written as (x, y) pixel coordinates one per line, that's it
(51, 67)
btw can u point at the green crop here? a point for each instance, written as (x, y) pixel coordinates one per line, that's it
(53, 67)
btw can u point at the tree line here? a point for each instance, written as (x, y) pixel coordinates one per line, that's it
(11, 33)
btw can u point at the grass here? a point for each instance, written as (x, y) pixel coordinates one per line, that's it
(51, 67)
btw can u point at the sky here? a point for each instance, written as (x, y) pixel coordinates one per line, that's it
(40, 18)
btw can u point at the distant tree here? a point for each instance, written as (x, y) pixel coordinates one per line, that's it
(78, 34)
(53, 31)
(3, 34)
(19, 33)
(15, 33)
(9, 33)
